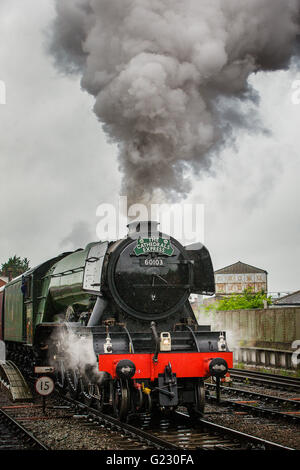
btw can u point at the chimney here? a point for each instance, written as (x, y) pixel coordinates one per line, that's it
(144, 227)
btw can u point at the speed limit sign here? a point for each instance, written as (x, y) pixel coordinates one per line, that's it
(44, 385)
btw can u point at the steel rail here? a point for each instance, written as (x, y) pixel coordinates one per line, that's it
(256, 395)
(159, 443)
(128, 429)
(227, 438)
(115, 424)
(29, 440)
(257, 442)
(267, 379)
(256, 410)
(287, 378)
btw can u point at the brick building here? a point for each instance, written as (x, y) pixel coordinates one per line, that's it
(237, 277)
(3, 280)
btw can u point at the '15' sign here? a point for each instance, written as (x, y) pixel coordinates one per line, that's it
(44, 386)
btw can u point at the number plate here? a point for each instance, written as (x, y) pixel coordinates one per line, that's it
(152, 262)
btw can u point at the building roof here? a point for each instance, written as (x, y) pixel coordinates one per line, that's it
(240, 268)
(290, 299)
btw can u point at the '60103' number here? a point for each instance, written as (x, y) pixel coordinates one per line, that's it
(152, 262)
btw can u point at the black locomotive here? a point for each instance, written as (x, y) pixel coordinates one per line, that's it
(128, 303)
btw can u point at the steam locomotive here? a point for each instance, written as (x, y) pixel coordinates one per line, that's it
(128, 302)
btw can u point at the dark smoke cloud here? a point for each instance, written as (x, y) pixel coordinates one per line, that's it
(161, 71)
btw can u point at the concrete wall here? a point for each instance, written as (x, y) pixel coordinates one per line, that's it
(273, 328)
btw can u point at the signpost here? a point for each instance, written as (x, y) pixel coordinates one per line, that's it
(43, 369)
(44, 386)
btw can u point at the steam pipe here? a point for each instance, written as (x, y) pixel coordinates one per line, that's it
(154, 331)
(97, 312)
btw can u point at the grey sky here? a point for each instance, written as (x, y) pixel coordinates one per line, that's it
(57, 166)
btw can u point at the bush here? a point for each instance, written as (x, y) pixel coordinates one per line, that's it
(248, 299)
(15, 265)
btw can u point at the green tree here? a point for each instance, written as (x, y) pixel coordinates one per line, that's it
(15, 266)
(248, 299)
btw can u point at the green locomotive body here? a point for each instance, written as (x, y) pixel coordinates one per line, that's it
(24, 303)
(42, 294)
(128, 300)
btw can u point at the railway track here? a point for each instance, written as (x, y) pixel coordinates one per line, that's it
(256, 409)
(13, 436)
(266, 379)
(97, 418)
(175, 432)
(258, 403)
(210, 436)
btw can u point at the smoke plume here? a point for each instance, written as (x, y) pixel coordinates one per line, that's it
(168, 76)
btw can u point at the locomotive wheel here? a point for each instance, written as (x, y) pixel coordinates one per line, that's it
(98, 397)
(137, 399)
(84, 392)
(73, 382)
(120, 399)
(60, 381)
(147, 403)
(196, 409)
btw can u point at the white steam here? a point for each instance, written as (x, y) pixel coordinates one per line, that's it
(168, 76)
(78, 351)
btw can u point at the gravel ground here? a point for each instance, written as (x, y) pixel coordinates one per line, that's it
(265, 390)
(62, 429)
(285, 434)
